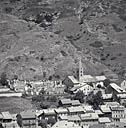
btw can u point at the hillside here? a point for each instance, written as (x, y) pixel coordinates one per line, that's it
(32, 51)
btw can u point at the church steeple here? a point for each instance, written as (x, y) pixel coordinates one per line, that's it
(80, 70)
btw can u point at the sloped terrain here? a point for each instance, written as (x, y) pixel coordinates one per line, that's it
(92, 29)
(33, 53)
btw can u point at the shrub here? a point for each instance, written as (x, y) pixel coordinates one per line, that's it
(97, 44)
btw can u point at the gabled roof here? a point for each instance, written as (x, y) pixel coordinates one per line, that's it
(73, 79)
(66, 101)
(89, 116)
(99, 112)
(75, 102)
(76, 109)
(104, 120)
(65, 124)
(106, 96)
(88, 108)
(117, 88)
(49, 111)
(105, 109)
(61, 110)
(88, 79)
(73, 118)
(29, 114)
(6, 115)
(78, 87)
(100, 78)
(117, 108)
(111, 104)
(122, 96)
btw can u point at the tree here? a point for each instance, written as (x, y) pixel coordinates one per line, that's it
(95, 100)
(53, 98)
(107, 82)
(44, 105)
(42, 123)
(51, 121)
(79, 96)
(19, 120)
(3, 79)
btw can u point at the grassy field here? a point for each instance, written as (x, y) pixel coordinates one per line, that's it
(15, 105)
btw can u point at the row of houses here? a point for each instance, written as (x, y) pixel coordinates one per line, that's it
(81, 115)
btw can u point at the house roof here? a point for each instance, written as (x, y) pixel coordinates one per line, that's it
(65, 124)
(76, 109)
(105, 109)
(88, 116)
(78, 87)
(49, 111)
(117, 88)
(104, 120)
(6, 115)
(120, 124)
(111, 103)
(10, 125)
(73, 118)
(117, 108)
(106, 96)
(73, 79)
(75, 102)
(39, 112)
(98, 112)
(63, 117)
(61, 110)
(98, 126)
(122, 96)
(88, 79)
(100, 78)
(29, 114)
(88, 108)
(65, 101)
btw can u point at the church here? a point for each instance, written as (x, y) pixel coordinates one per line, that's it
(85, 83)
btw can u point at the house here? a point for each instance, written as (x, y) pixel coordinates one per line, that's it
(74, 118)
(118, 112)
(60, 112)
(89, 118)
(122, 97)
(110, 104)
(123, 85)
(100, 114)
(70, 81)
(98, 126)
(115, 89)
(75, 102)
(10, 125)
(88, 79)
(6, 117)
(85, 88)
(106, 110)
(104, 120)
(75, 110)
(65, 102)
(47, 113)
(107, 97)
(28, 118)
(100, 78)
(65, 124)
(88, 108)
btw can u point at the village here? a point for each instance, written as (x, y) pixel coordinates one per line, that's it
(84, 102)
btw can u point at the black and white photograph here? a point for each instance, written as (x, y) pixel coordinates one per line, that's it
(62, 63)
